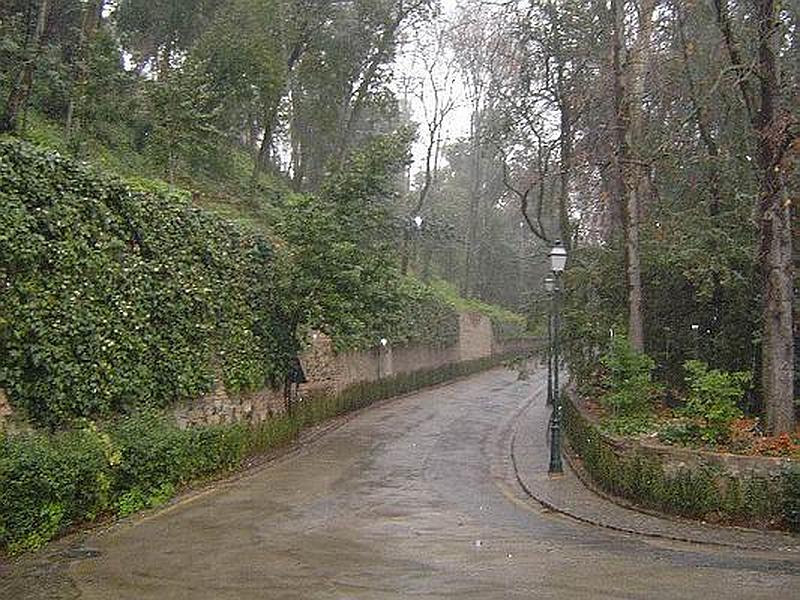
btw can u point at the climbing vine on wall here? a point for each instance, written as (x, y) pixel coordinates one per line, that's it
(113, 298)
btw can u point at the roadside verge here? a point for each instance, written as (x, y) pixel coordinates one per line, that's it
(567, 495)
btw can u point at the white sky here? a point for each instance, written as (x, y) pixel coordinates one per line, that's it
(457, 124)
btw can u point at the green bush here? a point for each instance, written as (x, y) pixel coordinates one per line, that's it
(791, 499)
(630, 387)
(713, 397)
(697, 493)
(49, 483)
(680, 433)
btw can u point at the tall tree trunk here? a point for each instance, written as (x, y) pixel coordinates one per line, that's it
(422, 196)
(264, 149)
(620, 116)
(91, 21)
(475, 198)
(711, 146)
(21, 87)
(632, 176)
(775, 237)
(774, 134)
(273, 110)
(628, 180)
(565, 143)
(298, 159)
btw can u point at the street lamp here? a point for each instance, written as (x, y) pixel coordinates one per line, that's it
(558, 262)
(696, 340)
(549, 287)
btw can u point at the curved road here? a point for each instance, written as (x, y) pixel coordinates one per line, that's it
(413, 498)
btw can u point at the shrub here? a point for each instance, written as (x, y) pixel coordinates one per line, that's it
(629, 382)
(680, 432)
(701, 493)
(713, 397)
(630, 425)
(49, 483)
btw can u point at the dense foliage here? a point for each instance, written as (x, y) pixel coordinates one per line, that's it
(701, 493)
(342, 275)
(52, 482)
(114, 298)
(187, 87)
(707, 412)
(659, 140)
(631, 391)
(714, 398)
(685, 287)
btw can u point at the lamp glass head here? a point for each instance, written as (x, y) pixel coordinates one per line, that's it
(558, 257)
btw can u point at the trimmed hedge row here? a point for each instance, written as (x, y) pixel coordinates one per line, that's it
(49, 483)
(701, 493)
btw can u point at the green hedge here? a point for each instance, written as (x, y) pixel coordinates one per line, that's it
(113, 299)
(701, 493)
(49, 483)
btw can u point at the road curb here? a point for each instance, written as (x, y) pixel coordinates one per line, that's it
(546, 501)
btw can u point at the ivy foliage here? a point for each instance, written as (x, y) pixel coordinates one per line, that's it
(113, 298)
(118, 297)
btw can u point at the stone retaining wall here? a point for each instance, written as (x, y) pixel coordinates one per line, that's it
(330, 373)
(744, 490)
(5, 407)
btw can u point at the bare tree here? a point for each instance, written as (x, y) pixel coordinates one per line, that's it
(437, 98)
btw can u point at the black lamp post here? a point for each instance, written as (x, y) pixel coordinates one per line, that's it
(558, 261)
(549, 286)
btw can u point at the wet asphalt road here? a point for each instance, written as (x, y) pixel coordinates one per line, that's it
(414, 498)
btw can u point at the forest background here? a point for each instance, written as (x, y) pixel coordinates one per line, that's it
(657, 138)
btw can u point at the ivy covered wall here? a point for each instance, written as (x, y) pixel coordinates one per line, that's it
(113, 298)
